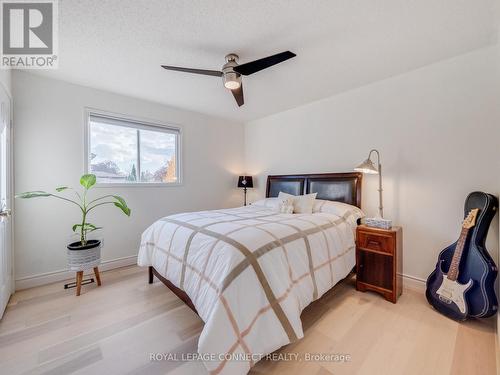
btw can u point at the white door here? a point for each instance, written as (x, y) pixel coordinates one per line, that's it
(6, 269)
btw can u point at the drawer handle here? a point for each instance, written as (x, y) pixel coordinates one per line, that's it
(373, 242)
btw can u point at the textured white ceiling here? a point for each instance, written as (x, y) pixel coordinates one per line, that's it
(119, 46)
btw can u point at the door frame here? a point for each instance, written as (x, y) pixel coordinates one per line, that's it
(10, 186)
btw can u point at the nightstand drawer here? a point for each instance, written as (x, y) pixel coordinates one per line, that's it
(376, 242)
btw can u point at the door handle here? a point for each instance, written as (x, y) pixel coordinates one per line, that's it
(5, 213)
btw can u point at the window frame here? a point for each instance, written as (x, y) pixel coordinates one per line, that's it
(144, 124)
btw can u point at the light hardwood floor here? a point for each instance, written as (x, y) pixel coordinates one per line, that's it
(114, 328)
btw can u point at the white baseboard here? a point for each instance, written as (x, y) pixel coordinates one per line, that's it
(410, 282)
(414, 283)
(55, 276)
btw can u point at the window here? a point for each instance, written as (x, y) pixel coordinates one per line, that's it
(128, 151)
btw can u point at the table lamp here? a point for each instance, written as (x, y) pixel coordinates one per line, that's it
(245, 182)
(369, 167)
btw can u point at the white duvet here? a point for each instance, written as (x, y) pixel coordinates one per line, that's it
(250, 272)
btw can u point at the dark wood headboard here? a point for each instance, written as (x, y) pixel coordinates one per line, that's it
(341, 187)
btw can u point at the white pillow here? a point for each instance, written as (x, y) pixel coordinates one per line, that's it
(286, 206)
(337, 208)
(272, 203)
(302, 204)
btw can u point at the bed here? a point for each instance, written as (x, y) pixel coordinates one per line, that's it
(248, 272)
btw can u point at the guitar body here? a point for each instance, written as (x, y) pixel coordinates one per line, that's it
(448, 297)
(477, 272)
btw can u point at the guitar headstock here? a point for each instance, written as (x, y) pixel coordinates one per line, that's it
(470, 220)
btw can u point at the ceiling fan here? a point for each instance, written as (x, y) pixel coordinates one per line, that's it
(231, 72)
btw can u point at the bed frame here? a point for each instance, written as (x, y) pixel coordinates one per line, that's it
(341, 187)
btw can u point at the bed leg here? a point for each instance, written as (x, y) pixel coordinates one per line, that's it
(151, 274)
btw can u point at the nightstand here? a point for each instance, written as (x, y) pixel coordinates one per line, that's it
(379, 261)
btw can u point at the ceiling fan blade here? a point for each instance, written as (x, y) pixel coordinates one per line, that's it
(215, 73)
(238, 95)
(257, 65)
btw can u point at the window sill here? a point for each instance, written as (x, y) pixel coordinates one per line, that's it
(137, 184)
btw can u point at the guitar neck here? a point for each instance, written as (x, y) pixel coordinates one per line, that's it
(457, 256)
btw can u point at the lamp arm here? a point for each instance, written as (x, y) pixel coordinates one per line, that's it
(381, 206)
(378, 155)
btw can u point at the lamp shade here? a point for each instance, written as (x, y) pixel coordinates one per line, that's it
(245, 182)
(367, 167)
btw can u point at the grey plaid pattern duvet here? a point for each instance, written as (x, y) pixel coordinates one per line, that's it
(250, 272)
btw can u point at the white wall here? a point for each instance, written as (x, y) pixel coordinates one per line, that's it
(49, 151)
(438, 132)
(437, 129)
(5, 80)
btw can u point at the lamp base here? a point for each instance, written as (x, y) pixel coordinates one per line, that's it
(378, 222)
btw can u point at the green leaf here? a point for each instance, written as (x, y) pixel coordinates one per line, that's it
(88, 225)
(120, 199)
(33, 194)
(124, 208)
(88, 180)
(122, 205)
(86, 228)
(61, 188)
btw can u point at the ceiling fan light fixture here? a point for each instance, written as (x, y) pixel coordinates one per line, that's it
(232, 85)
(231, 71)
(232, 80)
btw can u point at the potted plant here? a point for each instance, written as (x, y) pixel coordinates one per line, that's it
(83, 254)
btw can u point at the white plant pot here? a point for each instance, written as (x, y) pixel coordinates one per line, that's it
(81, 258)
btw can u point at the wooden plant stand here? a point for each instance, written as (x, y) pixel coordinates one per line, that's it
(79, 280)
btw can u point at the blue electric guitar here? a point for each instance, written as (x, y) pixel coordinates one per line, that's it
(463, 283)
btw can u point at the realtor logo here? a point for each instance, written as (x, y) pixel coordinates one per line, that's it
(29, 31)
